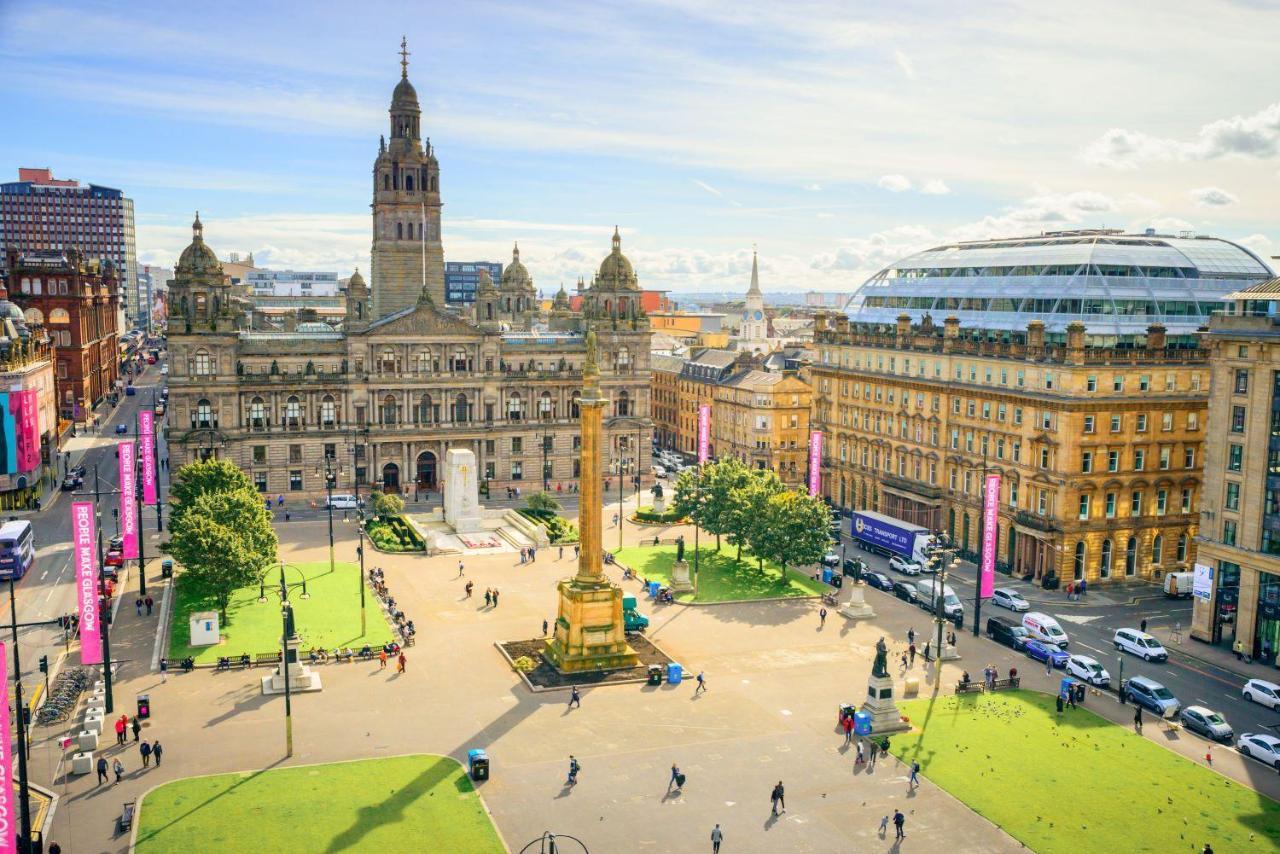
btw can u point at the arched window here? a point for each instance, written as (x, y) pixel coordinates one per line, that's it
(293, 411)
(433, 183)
(257, 413)
(408, 183)
(202, 364)
(622, 404)
(515, 407)
(426, 410)
(204, 413)
(328, 411)
(1104, 566)
(1157, 550)
(59, 315)
(34, 316)
(1081, 556)
(1182, 547)
(1131, 556)
(399, 231)
(488, 311)
(461, 410)
(508, 304)
(574, 410)
(546, 409)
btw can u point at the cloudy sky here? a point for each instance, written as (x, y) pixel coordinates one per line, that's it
(835, 136)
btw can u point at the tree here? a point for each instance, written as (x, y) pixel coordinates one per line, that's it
(793, 530)
(205, 477)
(542, 502)
(748, 506)
(387, 504)
(704, 495)
(223, 540)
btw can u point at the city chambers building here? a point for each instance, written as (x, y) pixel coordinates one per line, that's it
(379, 398)
(1068, 363)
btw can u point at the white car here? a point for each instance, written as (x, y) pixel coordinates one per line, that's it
(1007, 597)
(1140, 644)
(342, 502)
(898, 563)
(1264, 748)
(164, 370)
(1263, 693)
(659, 471)
(1088, 670)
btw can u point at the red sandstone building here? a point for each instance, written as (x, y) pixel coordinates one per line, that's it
(77, 302)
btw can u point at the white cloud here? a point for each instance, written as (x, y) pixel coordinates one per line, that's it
(1213, 197)
(1259, 243)
(1171, 225)
(905, 64)
(813, 188)
(710, 189)
(894, 183)
(935, 188)
(1256, 135)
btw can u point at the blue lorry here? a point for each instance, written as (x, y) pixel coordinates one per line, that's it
(885, 535)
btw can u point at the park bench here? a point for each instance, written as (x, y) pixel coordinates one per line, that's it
(409, 641)
(266, 658)
(969, 687)
(126, 814)
(344, 656)
(1006, 683)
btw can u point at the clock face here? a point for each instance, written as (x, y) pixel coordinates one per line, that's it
(759, 315)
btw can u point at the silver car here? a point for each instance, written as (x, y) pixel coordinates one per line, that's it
(1206, 722)
(1007, 597)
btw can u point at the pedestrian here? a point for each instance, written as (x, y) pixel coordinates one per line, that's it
(495, 597)
(164, 670)
(55, 848)
(875, 751)
(574, 767)
(615, 520)
(533, 554)
(1207, 849)
(286, 515)
(911, 635)
(951, 638)
(848, 730)
(898, 821)
(914, 780)
(822, 617)
(137, 606)
(675, 775)
(717, 837)
(860, 758)
(150, 603)
(1137, 718)
(1059, 703)
(137, 728)
(1143, 625)
(145, 750)
(460, 568)
(702, 683)
(926, 650)
(561, 553)
(118, 767)
(1048, 664)
(102, 770)
(382, 659)
(884, 822)
(911, 656)
(522, 561)
(782, 798)
(575, 699)
(903, 662)
(121, 726)
(576, 552)
(157, 751)
(400, 663)
(773, 799)
(1239, 649)
(470, 586)
(544, 628)
(488, 597)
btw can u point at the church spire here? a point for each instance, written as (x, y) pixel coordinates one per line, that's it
(404, 58)
(754, 290)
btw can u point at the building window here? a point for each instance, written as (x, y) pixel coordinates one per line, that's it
(1144, 383)
(1157, 550)
(1044, 458)
(1139, 459)
(1241, 381)
(1017, 415)
(1232, 501)
(1164, 459)
(1237, 419)
(259, 454)
(1186, 500)
(1182, 547)
(1086, 461)
(204, 413)
(1188, 458)
(490, 470)
(546, 409)
(517, 445)
(257, 413)
(1113, 461)
(1162, 501)
(389, 410)
(1111, 505)
(490, 446)
(295, 453)
(1235, 457)
(1117, 383)
(517, 471)
(1104, 566)
(515, 407)
(1084, 507)
(1135, 503)
(1229, 532)
(1193, 421)
(260, 481)
(292, 412)
(1131, 556)
(1141, 425)
(1088, 424)
(328, 411)
(1166, 421)
(295, 480)
(1090, 384)
(1116, 423)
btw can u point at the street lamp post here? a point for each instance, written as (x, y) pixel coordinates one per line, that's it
(360, 555)
(982, 520)
(287, 633)
(330, 479)
(24, 797)
(943, 559)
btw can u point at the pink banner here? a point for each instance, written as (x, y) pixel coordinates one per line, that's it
(25, 407)
(147, 448)
(82, 541)
(704, 432)
(815, 462)
(128, 499)
(990, 531)
(8, 818)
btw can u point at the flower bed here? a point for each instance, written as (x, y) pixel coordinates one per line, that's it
(393, 534)
(647, 514)
(560, 530)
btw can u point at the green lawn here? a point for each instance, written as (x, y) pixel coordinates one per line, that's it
(370, 805)
(330, 618)
(720, 578)
(1079, 782)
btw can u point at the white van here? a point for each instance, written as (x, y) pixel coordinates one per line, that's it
(1177, 585)
(927, 598)
(1042, 627)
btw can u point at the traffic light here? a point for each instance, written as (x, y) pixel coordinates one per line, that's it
(44, 664)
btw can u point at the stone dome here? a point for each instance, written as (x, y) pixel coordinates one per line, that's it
(515, 275)
(561, 302)
(356, 280)
(484, 283)
(616, 271)
(198, 257)
(404, 97)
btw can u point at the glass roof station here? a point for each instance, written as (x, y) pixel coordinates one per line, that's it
(1117, 284)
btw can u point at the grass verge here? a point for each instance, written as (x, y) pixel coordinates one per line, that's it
(720, 577)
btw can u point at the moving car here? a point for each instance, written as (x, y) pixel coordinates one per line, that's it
(1007, 633)
(122, 429)
(1264, 748)
(904, 591)
(164, 370)
(1041, 651)
(1262, 692)
(1140, 644)
(1045, 628)
(1007, 597)
(71, 482)
(830, 559)
(1088, 670)
(878, 580)
(342, 502)
(898, 563)
(115, 557)
(659, 471)
(1151, 695)
(1207, 722)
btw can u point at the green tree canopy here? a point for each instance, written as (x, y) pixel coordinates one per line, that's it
(747, 516)
(793, 530)
(542, 501)
(704, 495)
(223, 541)
(387, 504)
(206, 477)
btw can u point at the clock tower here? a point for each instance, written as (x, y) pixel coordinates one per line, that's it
(755, 329)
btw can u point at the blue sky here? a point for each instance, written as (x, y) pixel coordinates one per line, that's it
(835, 136)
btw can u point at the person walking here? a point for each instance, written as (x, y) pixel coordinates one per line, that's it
(157, 751)
(717, 837)
(773, 800)
(822, 618)
(574, 768)
(102, 770)
(118, 767)
(884, 822)
(675, 776)
(615, 520)
(914, 780)
(911, 635)
(577, 552)
(1048, 666)
(145, 750)
(779, 798)
(911, 656)
(137, 606)
(1137, 719)
(137, 728)
(575, 699)
(861, 757)
(495, 597)
(561, 553)
(875, 751)
(164, 670)
(150, 603)
(460, 569)
(702, 683)
(544, 628)
(488, 597)
(848, 729)
(470, 586)
(898, 821)
(382, 659)
(1143, 625)
(400, 663)
(926, 650)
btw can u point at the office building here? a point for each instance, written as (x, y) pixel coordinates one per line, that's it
(290, 283)
(462, 277)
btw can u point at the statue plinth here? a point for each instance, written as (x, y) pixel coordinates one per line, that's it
(885, 717)
(589, 634)
(857, 608)
(680, 581)
(659, 503)
(299, 676)
(461, 492)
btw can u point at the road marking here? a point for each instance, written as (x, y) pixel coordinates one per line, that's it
(43, 574)
(1092, 648)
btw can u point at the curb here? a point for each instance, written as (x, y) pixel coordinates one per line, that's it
(1202, 660)
(537, 690)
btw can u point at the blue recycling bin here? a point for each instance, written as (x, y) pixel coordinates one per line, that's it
(653, 589)
(826, 576)
(862, 723)
(674, 673)
(478, 764)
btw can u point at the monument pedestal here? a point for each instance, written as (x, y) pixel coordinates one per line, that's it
(950, 653)
(857, 608)
(885, 717)
(680, 581)
(301, 677)
(659, 504)
(462, 492)
(589, 633)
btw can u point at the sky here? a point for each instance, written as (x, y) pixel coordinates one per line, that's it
(836, 137)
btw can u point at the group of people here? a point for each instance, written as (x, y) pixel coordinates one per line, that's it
(1076, 589)
(405, 627)
(529, 554)
(147, 749)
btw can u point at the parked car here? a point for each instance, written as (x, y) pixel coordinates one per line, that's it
(1041, 651)
(659, 471)
(878, 580)
(130, 391)
(852, 566)
(1206, 722)
(1045, 628)
(71, 482)
(342, 502)
(1151, 695)
(1007, 633)
(116, 543)
(1007, 597)
(904, 591)
(1088, 670)
(115, 557)
(122, 429)
(1140, 644)
(160, 409)
(1262, 692)
(1264, 748)
(906, 566)
(830, 559)
(164, 370)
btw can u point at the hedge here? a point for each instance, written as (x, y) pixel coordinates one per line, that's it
(560, 530)
(646, 514)
(394, 535)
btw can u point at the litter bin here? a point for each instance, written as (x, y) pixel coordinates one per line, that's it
(862, 723)
(655, 674)
(144, 707)
(478, 764)
(837, 581)
(826, 576)
(674, 673)
(1079, 689)
(653, 589)
(166, 568)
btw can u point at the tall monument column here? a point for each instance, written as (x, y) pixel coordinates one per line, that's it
(589, 633)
